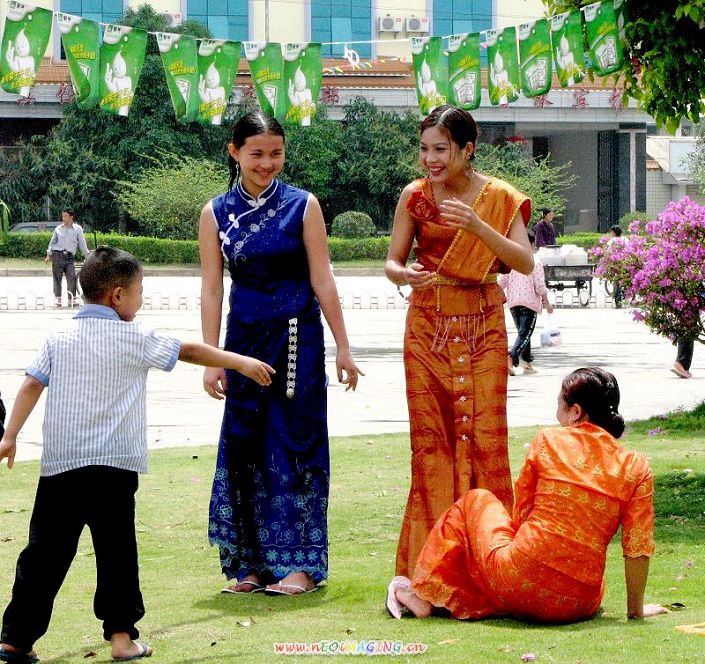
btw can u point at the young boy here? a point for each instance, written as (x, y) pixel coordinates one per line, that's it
(95, 444)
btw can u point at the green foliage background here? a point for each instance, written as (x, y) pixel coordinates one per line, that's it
(665, 50)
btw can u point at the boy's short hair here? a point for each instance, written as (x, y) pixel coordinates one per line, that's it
(68, 211)
(107, 268)
(617, 230)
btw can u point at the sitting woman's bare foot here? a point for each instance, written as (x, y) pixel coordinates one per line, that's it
(125, 649)
(295, 583)
(408, 598)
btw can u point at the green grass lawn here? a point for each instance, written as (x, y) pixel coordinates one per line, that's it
(188, 620)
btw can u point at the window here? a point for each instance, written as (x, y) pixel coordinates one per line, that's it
(452, 17)
(226, 19)
(106, 11)
(342, 21)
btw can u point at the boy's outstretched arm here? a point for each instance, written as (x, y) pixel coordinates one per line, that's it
(208, 356)
(26, 400)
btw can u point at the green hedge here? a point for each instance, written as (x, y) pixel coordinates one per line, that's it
(584, 240)
(165, 252)
(147, 249)
(369, 248)
(158, 251)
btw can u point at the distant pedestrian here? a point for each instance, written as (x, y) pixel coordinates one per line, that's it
(2, 418)
(526, 296)
(65, 241)
(684, 358)
(617, 292)
(544, 230)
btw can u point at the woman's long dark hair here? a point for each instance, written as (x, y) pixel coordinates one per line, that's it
(248, 125)
(597, 393)
(458, 124)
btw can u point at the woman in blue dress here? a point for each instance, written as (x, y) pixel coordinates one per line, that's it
(270, 491)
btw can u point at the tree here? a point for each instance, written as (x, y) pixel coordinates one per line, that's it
(539, 179)
(696, 161)
(313, 156)
(378, 158)
(83, 158)
(665, 50)
(166, 199)
(661, 269)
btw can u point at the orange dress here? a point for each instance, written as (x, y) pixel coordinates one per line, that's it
(577, 486)
(455, 358)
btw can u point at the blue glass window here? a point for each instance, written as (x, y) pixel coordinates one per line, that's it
(102, 11)
(342, 20)
(226, 19)
(457, 16)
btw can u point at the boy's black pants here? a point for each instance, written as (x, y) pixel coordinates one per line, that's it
(102, 498)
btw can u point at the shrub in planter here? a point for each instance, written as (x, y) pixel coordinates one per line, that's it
(353, 225)
(626, 219)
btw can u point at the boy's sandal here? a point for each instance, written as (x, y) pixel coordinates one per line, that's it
(145, 651)
(17, 657)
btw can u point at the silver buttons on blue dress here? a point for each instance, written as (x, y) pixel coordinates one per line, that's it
(291, 358)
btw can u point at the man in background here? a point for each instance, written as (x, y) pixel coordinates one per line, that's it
(65, 241)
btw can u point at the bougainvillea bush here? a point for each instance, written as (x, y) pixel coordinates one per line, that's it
(661, 267)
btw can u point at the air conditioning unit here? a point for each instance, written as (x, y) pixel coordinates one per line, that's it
(418, 24)
(172, 20)
(391, 23)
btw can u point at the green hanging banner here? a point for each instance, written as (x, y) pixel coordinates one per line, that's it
(604, 43)
(217, 68)
(303, 73)
(81, 40)
(503, 79)
(180, 61)
(620, 11)
(24, 42)
(121, 59)
(535, 57)
(567, 41)
(464, 73)
(267, 70)
(430, 72)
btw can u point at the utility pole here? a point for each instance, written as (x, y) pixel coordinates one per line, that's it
(266, 21)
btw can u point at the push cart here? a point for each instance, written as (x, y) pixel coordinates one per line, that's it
(560, 277)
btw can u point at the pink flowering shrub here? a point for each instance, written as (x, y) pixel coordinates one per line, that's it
(661, 267)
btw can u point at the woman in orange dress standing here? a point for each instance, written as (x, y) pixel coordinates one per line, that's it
(467, 228)
(577, 486)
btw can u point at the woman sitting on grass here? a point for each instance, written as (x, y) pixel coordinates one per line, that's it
(577, 486)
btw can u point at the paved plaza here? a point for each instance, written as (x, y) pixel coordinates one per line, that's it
(180, 413)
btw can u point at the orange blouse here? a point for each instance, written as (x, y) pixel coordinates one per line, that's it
(461, 260)
(577, 485)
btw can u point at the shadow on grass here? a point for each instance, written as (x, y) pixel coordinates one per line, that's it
(259, 604)
(679, 503)
(598, 622)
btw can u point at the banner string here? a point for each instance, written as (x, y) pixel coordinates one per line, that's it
(405, 40)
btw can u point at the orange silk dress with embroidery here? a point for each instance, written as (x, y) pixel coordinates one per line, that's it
(455, 358)
(576, 488)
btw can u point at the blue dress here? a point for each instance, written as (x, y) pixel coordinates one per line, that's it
(270, 491)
